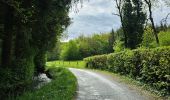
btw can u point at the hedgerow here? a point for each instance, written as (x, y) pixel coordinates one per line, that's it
(98, 62)
(150, 66)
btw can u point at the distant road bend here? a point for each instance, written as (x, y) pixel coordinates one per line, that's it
(96, 86)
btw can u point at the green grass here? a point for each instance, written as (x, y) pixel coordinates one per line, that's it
(62, 87)
(67, 64)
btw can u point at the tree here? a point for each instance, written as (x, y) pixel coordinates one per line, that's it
(87, 46)
(148, 38)
(54, 53)
(52, 19)
(167, 2)
(7, 38)
(128, 22)
(150, 5)
(111, 40)
(164, 23)
(133, 20)
(30, 29)
(84, 47)
(70, 52)
(119, 6)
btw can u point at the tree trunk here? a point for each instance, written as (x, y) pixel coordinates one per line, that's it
(124, 32)
(152, 21)
(40, 61)
(7, 37)
(119, 4)
(24, 54)
(153, 27)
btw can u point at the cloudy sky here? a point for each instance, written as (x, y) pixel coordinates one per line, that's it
(95, 16)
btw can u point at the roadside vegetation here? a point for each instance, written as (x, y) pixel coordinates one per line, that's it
(149, 66)
(30, 31)
(62, 87)
(67, 64)
(137, 49)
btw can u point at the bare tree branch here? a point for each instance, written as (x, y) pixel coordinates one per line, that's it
(149, 4)
(116, 14)
(164, 20)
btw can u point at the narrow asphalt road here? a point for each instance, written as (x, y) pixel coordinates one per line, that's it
(96, 86)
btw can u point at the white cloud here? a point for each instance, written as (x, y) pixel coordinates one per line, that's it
(96, 16)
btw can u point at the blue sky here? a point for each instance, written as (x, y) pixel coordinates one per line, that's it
(96, 17)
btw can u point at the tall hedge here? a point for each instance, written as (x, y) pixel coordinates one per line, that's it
(150, 66)
(98, 62)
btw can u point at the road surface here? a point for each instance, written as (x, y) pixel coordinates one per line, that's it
(96, 86)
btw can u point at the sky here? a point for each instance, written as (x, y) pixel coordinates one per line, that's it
(96, 16)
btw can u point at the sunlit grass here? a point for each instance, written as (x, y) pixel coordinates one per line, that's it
(68, 64)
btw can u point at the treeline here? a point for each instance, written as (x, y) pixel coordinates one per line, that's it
(138, 29)
(28, 29)
(84, 46)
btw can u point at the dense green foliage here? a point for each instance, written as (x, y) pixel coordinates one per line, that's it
(82, 47)
(112, 38)
(149, 40)
(105, 43)
(70, 51)
(151, 66)
(29, 28)
(118, 46)
(164, 37)
(54, 53)
(133, 21)
(98, 62)
(62, 87)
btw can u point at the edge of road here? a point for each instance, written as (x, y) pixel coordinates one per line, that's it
(130, 83)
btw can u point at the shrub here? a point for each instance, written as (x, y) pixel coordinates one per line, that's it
(17, 79)
(164, 38)
(151, 66)
(148, 39)
(118, 46)
(123, 62)
(98, 62)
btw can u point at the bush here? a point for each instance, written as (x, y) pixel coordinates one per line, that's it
(17, 79)
(148, 39)
(164, 38)
(118, 46)
(98, 62)
(151, 66)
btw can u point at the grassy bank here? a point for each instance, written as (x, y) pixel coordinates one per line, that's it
(67, 64)
(62, 87)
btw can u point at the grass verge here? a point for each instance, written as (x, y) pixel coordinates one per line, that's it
(62, 87)
(67, 64)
